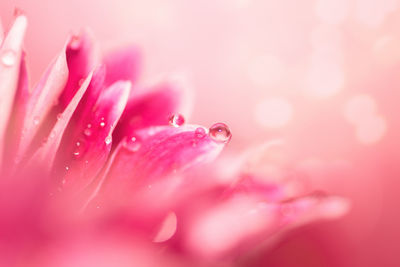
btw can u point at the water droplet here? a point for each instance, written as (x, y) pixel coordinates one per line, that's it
(108, 140)
(36, 120)
(75, 42)
(8, 58)
(89, 126)
(200, 133)
(63, 181)
(52, 134)
(87, 132)
(102, 124)
(59, 116)
(220, 132)
(66, 168)
(176, 120)
(132, 144)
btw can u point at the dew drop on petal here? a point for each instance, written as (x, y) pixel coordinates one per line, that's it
(75, 42)
(200, 133)
(133, 144)
(66, 168)
(108, 140)
(87, 132)
(8, 58)
(220, 132)
(102, 124)
(36, 120)
(176, 120)
(59, 116)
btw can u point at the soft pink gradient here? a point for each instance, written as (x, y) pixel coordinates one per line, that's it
(314, 59)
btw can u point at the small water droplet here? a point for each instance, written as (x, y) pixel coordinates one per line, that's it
(87, 132)
(220, 132)
(59, 116)
(63, 181)
(89, 126)
(108, 140)
(52, 134)
(102, 124)
(75, 42)
(8, 58)
(66, 168)
(176, 120)
(200, 133)
(132, 144)
(36, 120)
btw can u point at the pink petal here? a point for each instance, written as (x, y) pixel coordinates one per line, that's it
(46, 153)
(156, 152)
(153, 106)
(17, 115)
(10, 58)
(226, 228)
(123, 64)
(40, 103)
(83, 157)
(81, 58)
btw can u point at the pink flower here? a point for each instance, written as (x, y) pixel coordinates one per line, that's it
(99, 170)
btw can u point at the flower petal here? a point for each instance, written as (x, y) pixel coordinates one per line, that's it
(1, 33)
(10, 58)
(156, 152)
(81, 55)
(42, 100)
(153, 106)
(46, 153)
(123, 64)
(225, 228)
(83, 158)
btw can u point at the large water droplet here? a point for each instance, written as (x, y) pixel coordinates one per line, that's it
(8, 58)
(200, 133)
(176, 120)
(108, 140)
(220, 132)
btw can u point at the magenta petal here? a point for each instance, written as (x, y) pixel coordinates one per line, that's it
(10, 58)
(153, 106)
(123, 64)
(81, 58)
(83, 158)
(160, 151)
(43, 99)
(46, 153)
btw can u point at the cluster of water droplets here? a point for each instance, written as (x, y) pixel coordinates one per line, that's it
(218, 132)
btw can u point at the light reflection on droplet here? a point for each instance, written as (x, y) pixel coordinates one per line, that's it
(220, 132)
(102, 124)
(108, 140)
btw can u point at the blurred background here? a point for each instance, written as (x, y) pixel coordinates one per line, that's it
(322, 75)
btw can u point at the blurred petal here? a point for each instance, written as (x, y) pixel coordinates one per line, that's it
(85, 156)
(10, 57)
(122, 64)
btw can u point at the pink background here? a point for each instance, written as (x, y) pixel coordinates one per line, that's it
(322, 75)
